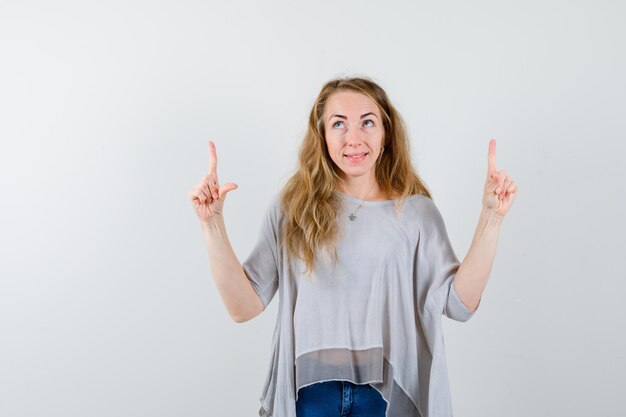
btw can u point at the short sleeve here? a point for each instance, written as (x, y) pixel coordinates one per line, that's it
(261, 266)
(442, 265)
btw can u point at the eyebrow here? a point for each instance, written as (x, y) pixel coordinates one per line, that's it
(344, 117)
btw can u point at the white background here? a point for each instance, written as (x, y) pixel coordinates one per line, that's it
(107, 304)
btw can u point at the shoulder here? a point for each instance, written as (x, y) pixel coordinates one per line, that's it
(422, 204)
(425, 212)
(274, 209)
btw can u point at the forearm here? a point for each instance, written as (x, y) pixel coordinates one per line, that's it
(473, 273)
(232, 283)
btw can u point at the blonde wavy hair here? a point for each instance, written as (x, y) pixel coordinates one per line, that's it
(308, 199)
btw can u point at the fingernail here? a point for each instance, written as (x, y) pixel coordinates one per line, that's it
(498, 190)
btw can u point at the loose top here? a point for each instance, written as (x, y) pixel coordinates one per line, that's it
(372, 317)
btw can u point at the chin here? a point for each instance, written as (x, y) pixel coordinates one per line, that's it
(356, 172)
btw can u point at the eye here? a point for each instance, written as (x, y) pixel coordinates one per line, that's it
(335, 124)
(369, 120)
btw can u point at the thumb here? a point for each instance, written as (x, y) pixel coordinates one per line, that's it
(225, 188)
(492, 183)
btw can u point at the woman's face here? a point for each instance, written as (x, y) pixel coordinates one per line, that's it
(353, 126)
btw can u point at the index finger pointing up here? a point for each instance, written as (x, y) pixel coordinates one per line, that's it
(212, 158)
(491, 160)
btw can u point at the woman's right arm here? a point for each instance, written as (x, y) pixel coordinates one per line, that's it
(241, 300)
(238, 295)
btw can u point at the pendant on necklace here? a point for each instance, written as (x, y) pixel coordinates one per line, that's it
(352, 216)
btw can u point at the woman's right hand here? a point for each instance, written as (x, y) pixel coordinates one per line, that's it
(208, 197)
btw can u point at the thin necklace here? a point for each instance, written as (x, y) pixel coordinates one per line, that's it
(352, 215)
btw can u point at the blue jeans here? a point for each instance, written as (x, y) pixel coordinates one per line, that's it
(340, 399)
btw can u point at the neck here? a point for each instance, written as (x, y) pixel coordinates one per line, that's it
(360, 187)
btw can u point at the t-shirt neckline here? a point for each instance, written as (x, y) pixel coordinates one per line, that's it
(372, 203)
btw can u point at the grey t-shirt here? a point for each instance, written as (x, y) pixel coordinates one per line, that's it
(373, 317)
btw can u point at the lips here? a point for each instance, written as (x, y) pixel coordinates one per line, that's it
(356, 158)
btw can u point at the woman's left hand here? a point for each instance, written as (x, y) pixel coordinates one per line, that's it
(500, 189)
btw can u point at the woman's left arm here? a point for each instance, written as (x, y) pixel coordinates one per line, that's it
(473, 273)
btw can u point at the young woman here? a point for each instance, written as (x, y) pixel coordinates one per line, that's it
(360, 256)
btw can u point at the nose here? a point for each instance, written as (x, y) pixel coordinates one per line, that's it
(353, 137)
